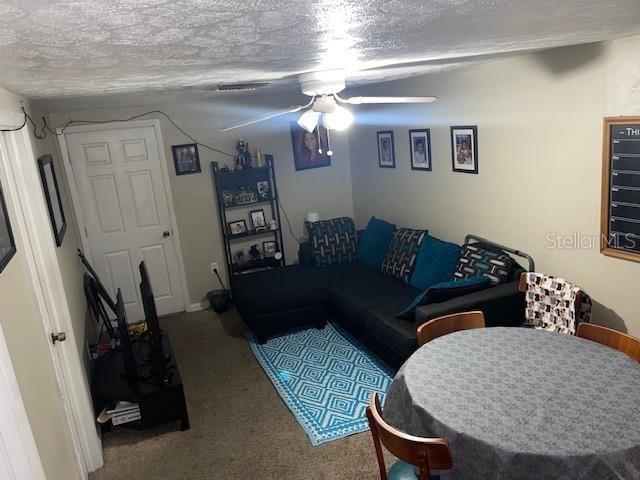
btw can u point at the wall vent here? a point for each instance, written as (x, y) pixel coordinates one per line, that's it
(236, 87)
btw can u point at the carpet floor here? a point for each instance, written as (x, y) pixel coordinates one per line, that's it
(240, 428)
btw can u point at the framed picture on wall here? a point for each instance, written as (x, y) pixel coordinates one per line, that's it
(420, 145)
(464, 149)
(186, 159)
(52, 196)
(309, 148)
(7, 243)
(386, 150)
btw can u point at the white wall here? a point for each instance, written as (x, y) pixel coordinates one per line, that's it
(539, 120)
(27, 343)
(324, 190)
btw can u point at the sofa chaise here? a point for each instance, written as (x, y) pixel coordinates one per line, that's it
(366, 301)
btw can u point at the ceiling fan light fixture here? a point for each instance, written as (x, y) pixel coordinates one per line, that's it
(339, 119)
(309, 120)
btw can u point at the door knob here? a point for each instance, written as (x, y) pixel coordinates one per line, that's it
(166, 233)
(58, 337)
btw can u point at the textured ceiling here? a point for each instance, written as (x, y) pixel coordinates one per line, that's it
(77, 48)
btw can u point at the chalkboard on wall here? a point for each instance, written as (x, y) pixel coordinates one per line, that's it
(620, 216)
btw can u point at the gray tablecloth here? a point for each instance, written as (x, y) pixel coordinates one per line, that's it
(519, 403)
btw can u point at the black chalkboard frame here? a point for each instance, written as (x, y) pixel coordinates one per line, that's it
(627, 248)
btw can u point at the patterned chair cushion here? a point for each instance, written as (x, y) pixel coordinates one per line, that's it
(476, 260)
(333, 241)
(400, 260)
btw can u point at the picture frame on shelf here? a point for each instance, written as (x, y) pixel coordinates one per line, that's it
(258, 220)
(269, 249)
(386, 149)
(186, 159)
(237, 227)
(52, 197)
(420, 145)
(263, 190)
(464, 149)
(7, 242)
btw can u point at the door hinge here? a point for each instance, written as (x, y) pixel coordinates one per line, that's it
(86, 233)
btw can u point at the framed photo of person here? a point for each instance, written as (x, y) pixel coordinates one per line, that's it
(238, 227)
(420, 145)
(263, 189)
(52, 196)
(269, 249)
(309, 149)
(464, 149)
(7, 243)
(386, 150)
(257, 219)
(186, 158)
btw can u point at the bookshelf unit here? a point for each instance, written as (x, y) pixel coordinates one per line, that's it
(238, 193)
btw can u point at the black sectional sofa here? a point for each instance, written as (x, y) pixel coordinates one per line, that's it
(363, 300)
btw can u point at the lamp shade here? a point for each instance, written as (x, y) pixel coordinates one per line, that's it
(309, 120)
(339, 119)
(312, 217)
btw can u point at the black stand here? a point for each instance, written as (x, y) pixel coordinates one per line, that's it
(158, 403)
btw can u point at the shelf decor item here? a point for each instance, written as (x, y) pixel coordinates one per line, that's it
(386, 150)
(52, 196)
(237, 227)
(269, 249)
(263, 190)
(7, 243)
(186, 159)
(235, 190)
(257, 219)
(420, 145)
(464, 149)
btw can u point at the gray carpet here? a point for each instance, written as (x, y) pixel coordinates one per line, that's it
(239, 426)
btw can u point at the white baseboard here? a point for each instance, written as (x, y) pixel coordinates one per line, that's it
(196, 307)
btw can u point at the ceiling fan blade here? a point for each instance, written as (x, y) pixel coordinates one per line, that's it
(265, 117)
(361, 100)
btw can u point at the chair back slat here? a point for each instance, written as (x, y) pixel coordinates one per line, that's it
(448, 324)
(611, 338)
(424, 453)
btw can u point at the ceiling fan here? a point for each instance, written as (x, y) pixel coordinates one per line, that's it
(325, 104)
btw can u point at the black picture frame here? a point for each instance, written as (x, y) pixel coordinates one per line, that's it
(260, 213)
(272, 246)
(237, 222)
(419, 136)
(305, 157)
(186, 158)
(7, 242)
(461, 162)
(52, 196)
(386, 148)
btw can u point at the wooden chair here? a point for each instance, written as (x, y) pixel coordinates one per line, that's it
(448, 324)
(611, 338)
(424, 453)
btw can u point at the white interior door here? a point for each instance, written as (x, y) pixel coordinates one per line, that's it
(125, 209)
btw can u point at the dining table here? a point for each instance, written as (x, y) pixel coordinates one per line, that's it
(522, 403)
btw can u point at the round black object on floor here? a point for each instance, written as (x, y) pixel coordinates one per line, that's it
(219, 300)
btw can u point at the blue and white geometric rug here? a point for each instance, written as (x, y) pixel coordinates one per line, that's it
(325, 378)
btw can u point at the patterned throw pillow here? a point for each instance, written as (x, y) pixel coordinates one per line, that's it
(476, 260)
(400, 259)
(333, 241)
